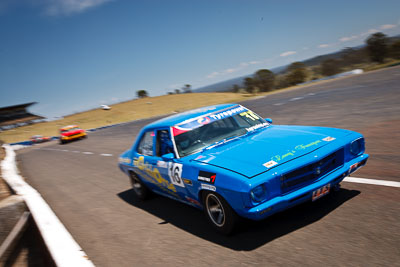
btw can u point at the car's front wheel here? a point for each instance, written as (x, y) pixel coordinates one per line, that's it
(218, 212)
(138, 187)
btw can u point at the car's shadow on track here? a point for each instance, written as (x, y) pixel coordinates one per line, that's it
(249, 235)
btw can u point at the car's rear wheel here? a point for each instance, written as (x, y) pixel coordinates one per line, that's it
(218, 212)
(138, 187)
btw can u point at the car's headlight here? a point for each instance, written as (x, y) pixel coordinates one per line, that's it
(357, 146)
(259, 193)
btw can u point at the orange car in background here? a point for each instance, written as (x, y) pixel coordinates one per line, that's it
(36, 139)
(71, 132)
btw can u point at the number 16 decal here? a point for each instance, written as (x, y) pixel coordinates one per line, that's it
(175, 173)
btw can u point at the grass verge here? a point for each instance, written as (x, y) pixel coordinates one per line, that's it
(123, 112)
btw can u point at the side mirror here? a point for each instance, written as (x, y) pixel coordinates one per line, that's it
(168, 156)
(269, 120)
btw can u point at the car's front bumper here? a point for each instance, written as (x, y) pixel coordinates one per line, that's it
(294, 198)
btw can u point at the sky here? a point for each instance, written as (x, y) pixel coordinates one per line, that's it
(74, 55)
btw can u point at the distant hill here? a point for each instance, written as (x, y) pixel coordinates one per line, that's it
(317, 60)
(221, 86)
(228, 84)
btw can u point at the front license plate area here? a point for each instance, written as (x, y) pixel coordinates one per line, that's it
(320, 192)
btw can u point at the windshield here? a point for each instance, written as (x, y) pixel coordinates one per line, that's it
(69, 129)
(193, 136)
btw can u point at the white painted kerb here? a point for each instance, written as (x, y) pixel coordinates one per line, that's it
(371, 181)
(62, 247)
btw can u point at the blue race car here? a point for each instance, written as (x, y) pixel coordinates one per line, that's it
(230, 162)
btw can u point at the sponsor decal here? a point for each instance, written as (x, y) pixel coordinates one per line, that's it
(208, 177)
(250, 115)
(125, 160)
(162, 164)
(292, 153)
(257, 126)
(227, 113)
(208, 187)
(193, 201)
(194, 123)
(270, 164)
(187, 181)
(329, 138)
(175, 173)
(204, 120)
(281, 157)
(301, 147)
(153, 174)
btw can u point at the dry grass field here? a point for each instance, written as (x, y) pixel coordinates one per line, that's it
(123, 112)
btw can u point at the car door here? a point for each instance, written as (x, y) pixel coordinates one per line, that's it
(166, 162)
(152, 168)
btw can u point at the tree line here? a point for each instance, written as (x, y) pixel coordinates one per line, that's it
(187, 88)
(377, 49)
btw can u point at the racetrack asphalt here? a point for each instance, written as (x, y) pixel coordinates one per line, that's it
(357, 226)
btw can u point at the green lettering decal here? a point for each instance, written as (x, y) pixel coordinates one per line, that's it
(291, 153)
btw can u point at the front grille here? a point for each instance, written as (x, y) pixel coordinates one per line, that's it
(308, 174)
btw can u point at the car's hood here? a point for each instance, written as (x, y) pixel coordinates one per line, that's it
(258, 152)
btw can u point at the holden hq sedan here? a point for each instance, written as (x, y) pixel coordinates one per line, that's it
(71, 132)
(230, 162)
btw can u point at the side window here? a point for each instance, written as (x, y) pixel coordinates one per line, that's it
(146, 144)
(164, 143)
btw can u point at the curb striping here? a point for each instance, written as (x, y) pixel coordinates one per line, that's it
(62, 247)
(371, 181)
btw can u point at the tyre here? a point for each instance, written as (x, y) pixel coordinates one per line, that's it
(218, 212)
(141, 191)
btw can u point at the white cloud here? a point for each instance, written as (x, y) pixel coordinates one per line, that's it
(69, 7)
(288, 53)
(212, 75)
(324, 45)
(370, 31)
(53, 7)
(349, 38)
(241, 66)
(387, 26)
